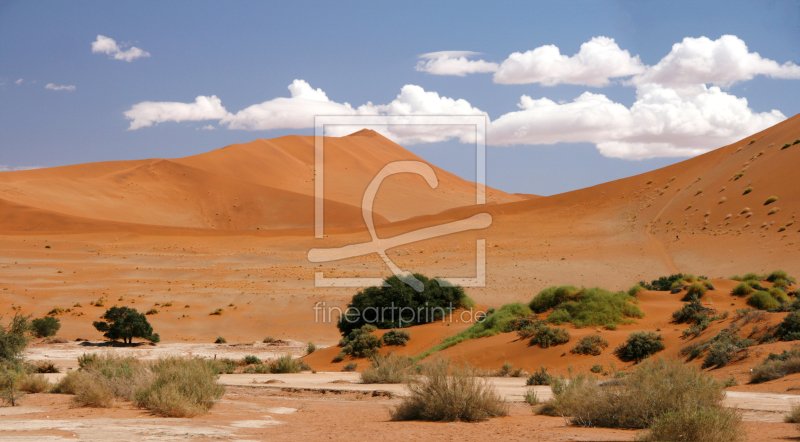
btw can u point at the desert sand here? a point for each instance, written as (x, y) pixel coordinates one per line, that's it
(231, 229)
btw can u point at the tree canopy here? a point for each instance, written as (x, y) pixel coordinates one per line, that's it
(125, 323)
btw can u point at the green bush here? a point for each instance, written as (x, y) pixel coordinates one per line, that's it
(45, 327)
(396, 337)
(695, 290)
(662, 284)
(793, 417)
(221, 340)
(590, 345)
(789, 328)
(311, 348)
(726, 346)
(587, 307)
(540, 377)
(639, 346)
(635, 290)
(708, 424)
(776, 366)
(636, 401)
(360, 343)
(770, 200)
(763, 301)
(449, 394)
(181, 387)
(742, 289)
(412, 307)
(390, 369)
(251, 359)
(692, 312)
(14, 340)
(350, 367)
(596, 368)
(546, 337)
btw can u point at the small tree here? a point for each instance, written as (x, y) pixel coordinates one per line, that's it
(125, 323)
(13, 340)
(45, 327)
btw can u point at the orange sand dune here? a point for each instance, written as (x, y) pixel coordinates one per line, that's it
(141, 232)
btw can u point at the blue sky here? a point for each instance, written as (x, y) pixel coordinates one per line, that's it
(248, 53)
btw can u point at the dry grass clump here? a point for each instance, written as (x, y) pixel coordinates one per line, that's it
(181, 387)
(390, 369)
(33, 383)
(590, 345)
(449, 393)
(709, 424)
(748, 190)
(770, 200)
(657, 392)
(776, 366)
(285, 364)
(103, 379)
(793, 417)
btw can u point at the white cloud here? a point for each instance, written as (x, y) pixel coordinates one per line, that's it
(663, 122)
(724, 61)
(207, 127)
(453, 63)
(106, 45)
(598, 61)
(18, 81)
(52, 86)
(146, 113)
(6, 168)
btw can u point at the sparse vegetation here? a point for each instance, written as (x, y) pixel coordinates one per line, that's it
(663, 283)
(221, 340)
(180, 387)
(350, 367)
(449, 393)
(285, 364)
(652, 394)
(748, 190)
(695, 290)
(639, 346)
(742, 289)
(770, 200)
(590, 345)
(217, 312)
(311, 348)
(545, 336)
(596, 368)
(361, 343)
(390, 369)
(708, 424)
(540, 377)
(789, 328)
(763, 300)
(776, 366)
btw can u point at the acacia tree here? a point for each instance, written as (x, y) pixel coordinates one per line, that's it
(125, 323)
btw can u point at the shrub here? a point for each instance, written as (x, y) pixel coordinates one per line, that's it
(597, 368)
(776, 275)
(69, 383)
(785, 146)
(125, 323)
(450, 394)
(310, 348)
(546, 336)
(692, 312)
(14, 340)
(635, 290)
(45, 327)
(390, 369)
(709, 424)
(530, 397)
(181, 387)
(217, 312)
(221, 340)
(636, 401)
(587, 307)
(33, 383)
(776, 366)
(797, 141)
(789, 328)
(350, 367)
(793, 417)
(639, 346)
(695, 290)
(396, 337)
(748, 190)
(285, 364)
(45, 367)
(105, 378)
(413, 307)
(269, 340)
(339, 356)
(540, 377)
(251, 359)
(742, 289)
(360, 343)
(763, 301)
(590, 345)
(663, 283)
(152, 311)
(725, 347)
(770, 200)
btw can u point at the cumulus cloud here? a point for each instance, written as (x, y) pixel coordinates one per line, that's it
(53, 87)
(453, 63)
(663, 122)
(106, 45)
(146, 113)
(724, 61)
(598, 61)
